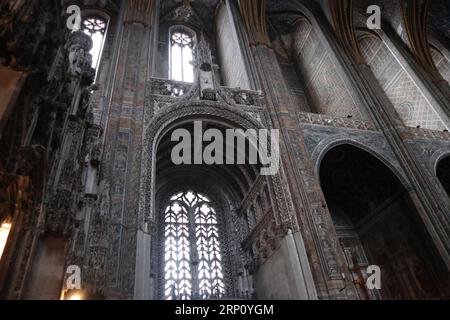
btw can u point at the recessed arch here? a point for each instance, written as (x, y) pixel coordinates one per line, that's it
(443, 172)
(225, 185)
(377, 224)
(317, 67)
(242, 176)
(326, 145)
(183, 28)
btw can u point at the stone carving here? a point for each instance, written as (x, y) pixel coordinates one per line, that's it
(184, 12)
(80, 60)
(415, 133)
(264, 240)
(60, 211)
(95, 269)
(170, 87)
(325, 120)
(23, 28)
(55, 122)
(94, 144)
(206, 81)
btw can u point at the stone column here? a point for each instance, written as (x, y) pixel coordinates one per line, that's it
(280, 108)
(128, 267)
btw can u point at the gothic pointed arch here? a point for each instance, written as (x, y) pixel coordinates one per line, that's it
(235, 181)
(187, 111)
(443, 173)
(377, 224)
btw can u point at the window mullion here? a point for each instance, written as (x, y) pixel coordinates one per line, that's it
(194, 253)
(182, 63)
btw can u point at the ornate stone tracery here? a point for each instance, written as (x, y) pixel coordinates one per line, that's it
(85, 169)
(191, 232)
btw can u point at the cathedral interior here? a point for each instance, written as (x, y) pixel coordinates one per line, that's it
(89, 102)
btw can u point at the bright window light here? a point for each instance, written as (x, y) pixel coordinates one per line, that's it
(191, 232)
(95, 27)
(181, 57)
(5, 228)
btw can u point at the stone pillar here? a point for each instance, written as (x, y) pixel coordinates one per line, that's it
(280, 108)
(68, 209)
(127, 269)
(93, 159)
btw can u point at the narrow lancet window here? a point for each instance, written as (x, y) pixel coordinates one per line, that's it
(95, 27)
(181, 56)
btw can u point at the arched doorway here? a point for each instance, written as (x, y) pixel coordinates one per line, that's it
(443, 173)
(377, 224)
(200, 229)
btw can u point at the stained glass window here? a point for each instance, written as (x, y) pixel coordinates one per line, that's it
(192, 254)
(95, 27)
(181, 57)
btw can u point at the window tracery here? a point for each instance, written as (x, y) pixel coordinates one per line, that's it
(192, 251)
(181, 56)
(95, 27)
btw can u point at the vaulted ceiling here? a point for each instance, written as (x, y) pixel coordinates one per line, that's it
(205, 9)
(439, 17)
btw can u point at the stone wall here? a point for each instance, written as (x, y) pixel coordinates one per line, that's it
(232, 63)
(325, 85)
(409, 101)
(442, 63)
(281, 277)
